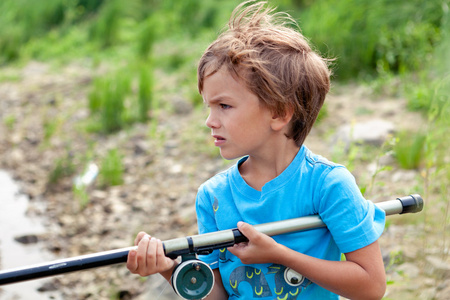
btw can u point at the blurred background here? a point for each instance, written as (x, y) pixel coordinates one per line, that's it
(102, 130)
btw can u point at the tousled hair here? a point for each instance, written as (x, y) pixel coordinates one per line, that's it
(274, 61)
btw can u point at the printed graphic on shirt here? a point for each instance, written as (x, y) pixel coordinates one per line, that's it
(223, 256)
(288, 283)
(215, 205)
(254, 277)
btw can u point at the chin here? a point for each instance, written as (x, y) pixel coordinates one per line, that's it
(230, 156)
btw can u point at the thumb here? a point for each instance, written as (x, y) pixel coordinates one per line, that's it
(247, 230)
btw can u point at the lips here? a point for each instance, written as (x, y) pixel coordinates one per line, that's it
(219, 140)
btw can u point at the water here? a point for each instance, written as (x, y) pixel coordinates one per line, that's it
(13, 223)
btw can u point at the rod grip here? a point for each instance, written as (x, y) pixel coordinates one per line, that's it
(411, 204)
(238, 236)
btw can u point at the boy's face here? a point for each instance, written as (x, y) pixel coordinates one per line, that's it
(239, 124)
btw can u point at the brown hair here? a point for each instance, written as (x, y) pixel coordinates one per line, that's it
(275, 62)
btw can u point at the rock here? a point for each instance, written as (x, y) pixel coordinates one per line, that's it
(373, 132)
(437, 267)
(404, 175)
(16, 157)
(408, 269)
(386, 160)
(27, 239)
(124, 295)
(181, 106)
(141, 147)
(428, 293)
(48, 287)
(443, 290)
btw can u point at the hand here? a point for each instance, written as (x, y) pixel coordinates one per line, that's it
(259, 249)
(149, 257)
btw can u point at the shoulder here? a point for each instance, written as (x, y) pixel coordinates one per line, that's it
(323, 169)
(217, 181)
(318, 160)
(329, 180)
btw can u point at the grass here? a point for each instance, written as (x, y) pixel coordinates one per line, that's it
(9, 121)
(372, 37)
(51, 126)
(145, 94)
(81, 194)
(409, 149)
(114, 104)
(111, 169)
(63, 167)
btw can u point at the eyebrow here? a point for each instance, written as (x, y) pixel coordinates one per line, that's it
(217, 99)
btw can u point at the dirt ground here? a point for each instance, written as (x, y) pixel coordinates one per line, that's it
(164, 165)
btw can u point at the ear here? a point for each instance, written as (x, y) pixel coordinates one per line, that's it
(280, 122)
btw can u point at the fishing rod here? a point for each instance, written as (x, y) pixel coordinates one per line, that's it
(192, 279)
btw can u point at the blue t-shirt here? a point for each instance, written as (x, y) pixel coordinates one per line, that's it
(309, 185)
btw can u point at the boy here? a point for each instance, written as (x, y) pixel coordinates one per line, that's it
(264, 87)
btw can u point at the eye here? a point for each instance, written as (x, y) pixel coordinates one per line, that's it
(224, 106)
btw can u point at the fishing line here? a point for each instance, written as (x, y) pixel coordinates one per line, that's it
(163, 290)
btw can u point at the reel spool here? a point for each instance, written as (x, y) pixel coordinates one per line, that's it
(293, 278)
(192, 279)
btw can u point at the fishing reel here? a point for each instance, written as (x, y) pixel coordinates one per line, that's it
(192, 279)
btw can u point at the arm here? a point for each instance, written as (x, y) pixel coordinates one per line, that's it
(218, 292)
(361, 276)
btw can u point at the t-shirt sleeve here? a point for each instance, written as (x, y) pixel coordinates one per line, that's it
(206, 223)
(353, 221)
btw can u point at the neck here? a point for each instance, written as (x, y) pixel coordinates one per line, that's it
(257, 170)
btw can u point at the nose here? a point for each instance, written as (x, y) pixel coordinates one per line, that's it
(211, 121)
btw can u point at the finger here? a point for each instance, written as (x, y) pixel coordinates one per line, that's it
(159, 252)
(151, 254)
(139, 237)
(142, 252)
(162, 259)
(131, 260)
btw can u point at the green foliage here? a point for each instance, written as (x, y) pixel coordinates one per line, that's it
(366, 37)
(106, 28)
(385, 149)
(369, 37)
(21, 21)
(106, 101)
(44, 25)
(144, 94)
(323, 113)
(50, 126)
(395, 258)
(113, 103)
(408, 149)
(147, 38)
(9, 121)
(63, 167)
(81, 195)
(110, 102)
(111, 169)
(430, 93)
